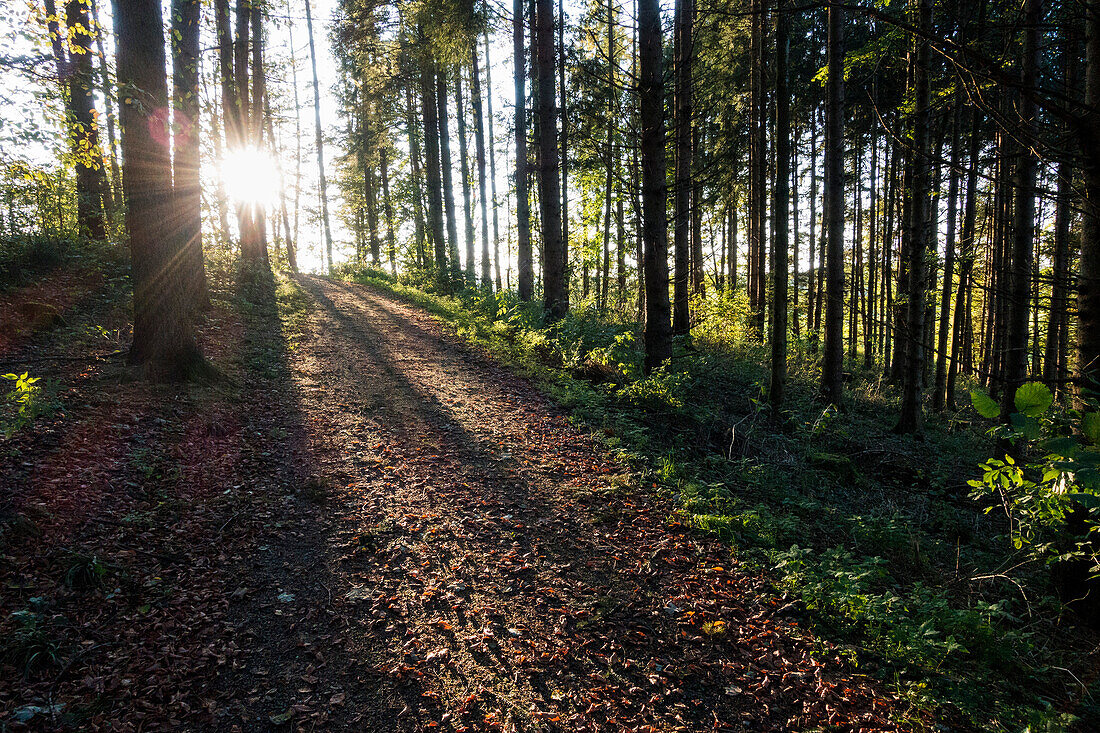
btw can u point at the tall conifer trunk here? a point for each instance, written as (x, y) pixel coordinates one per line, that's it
(832, 375)
(163, 340)
(657, 335)
(185, 154)
(554, 284)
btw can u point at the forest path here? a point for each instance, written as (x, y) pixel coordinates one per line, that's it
(475, 562)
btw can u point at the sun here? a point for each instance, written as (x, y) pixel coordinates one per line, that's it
(251, 176)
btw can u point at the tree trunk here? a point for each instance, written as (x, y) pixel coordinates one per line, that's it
(1023, 213)
(432, 164)
(163, 340)
(657, 335)
(320, 140)
(967, 251)
(448, 175)
(681, 317)
(492, 164)
(187, 189)
(387, 204)
(832, 374)
(812, 293)
(110, 103)
(563, 113)
(479, 146)
(555, 288)
(525, 273)
(1088, 277)
(91, 178)
(254, 251)
(910, 420)
(939, 390)
(415, 176)
(781, 211)
(464, 168)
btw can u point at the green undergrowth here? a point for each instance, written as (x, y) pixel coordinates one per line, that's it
(869, 535)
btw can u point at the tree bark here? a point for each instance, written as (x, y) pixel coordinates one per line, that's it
(187, 189)
(563, 114)
(319, 133)
(657, 335)
(525, 273)
(110, 103)
(163, 340)
(911, 418)
(464, 160)
(781, 195)
(554, 285)
(832, 374)
(939, 398)
(492, 164)
(681, 316)
(448, 175)
(1023, 213)
(91, 176)
(432, 164)
(387, 204)
(479, 147)
(1088, 280)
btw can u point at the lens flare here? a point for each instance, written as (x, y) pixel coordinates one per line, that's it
(251, 176)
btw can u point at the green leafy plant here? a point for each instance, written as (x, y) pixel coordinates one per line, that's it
(1050, 490)
(30, 646)
(23, 403)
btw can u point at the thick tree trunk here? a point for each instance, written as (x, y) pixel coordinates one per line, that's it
(681, 316)
(781, 195)
(413, 128)
(657, 335)
(91, 177)
(832, 374)
(163, 341)
(1088, 280)
(609, 161)
(525, 274)
(911, 418)
(1023, 213)
(254, 251)
(185, 150)
(435, 187)
(563, 113)
(554, 285)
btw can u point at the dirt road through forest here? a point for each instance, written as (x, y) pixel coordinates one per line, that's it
(367, 526)
(476, 562)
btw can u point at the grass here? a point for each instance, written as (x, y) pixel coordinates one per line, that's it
(879, 548)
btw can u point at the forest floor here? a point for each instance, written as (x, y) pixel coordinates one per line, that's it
(366, 525)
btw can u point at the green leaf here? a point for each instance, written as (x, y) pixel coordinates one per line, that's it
(984, 404)
(1090, 427)
(1033, 399)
